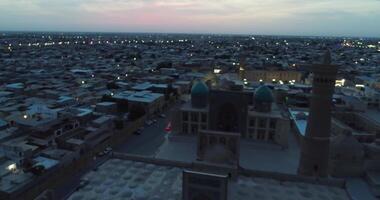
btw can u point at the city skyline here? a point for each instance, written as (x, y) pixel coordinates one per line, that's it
(285, 17)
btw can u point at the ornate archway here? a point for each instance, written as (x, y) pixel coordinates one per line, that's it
(227, 119)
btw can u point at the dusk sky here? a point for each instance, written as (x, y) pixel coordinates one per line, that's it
(278, 17)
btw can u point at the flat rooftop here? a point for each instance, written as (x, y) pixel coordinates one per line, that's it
(125, 179)
(141, 96)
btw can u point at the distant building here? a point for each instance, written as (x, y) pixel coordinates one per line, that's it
(269, 76)
(152, 102)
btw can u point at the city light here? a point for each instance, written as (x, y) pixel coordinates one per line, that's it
(340, 83)
(12, 167)
(217, 71)
(359, 85)
(25, 116)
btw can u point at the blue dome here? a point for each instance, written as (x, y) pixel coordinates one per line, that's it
(199, 87)
(199, 95)
(264, 94)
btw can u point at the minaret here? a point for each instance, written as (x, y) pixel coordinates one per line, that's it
(315, 143)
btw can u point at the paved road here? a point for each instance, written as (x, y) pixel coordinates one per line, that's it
(153, 136)
(148, 142)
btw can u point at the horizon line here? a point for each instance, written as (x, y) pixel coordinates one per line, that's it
(186, 33)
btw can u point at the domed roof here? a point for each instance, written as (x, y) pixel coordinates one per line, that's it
(199, 87)
(264, 94)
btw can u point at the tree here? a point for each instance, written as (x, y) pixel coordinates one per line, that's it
(112, 85)
(108, 98)
(119, 124)
(164, 64)
(122, 106)
(22, 108)
(136, 111)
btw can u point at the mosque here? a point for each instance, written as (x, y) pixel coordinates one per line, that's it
(253, 115)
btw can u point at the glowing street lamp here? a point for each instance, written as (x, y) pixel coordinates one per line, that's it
(12, 167)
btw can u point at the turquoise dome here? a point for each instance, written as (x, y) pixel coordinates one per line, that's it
(264, 94)
(199, 94)
(199, 87)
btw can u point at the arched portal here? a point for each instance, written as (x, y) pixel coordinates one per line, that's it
(227, 119)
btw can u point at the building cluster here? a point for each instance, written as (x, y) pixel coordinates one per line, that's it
(68, 98)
